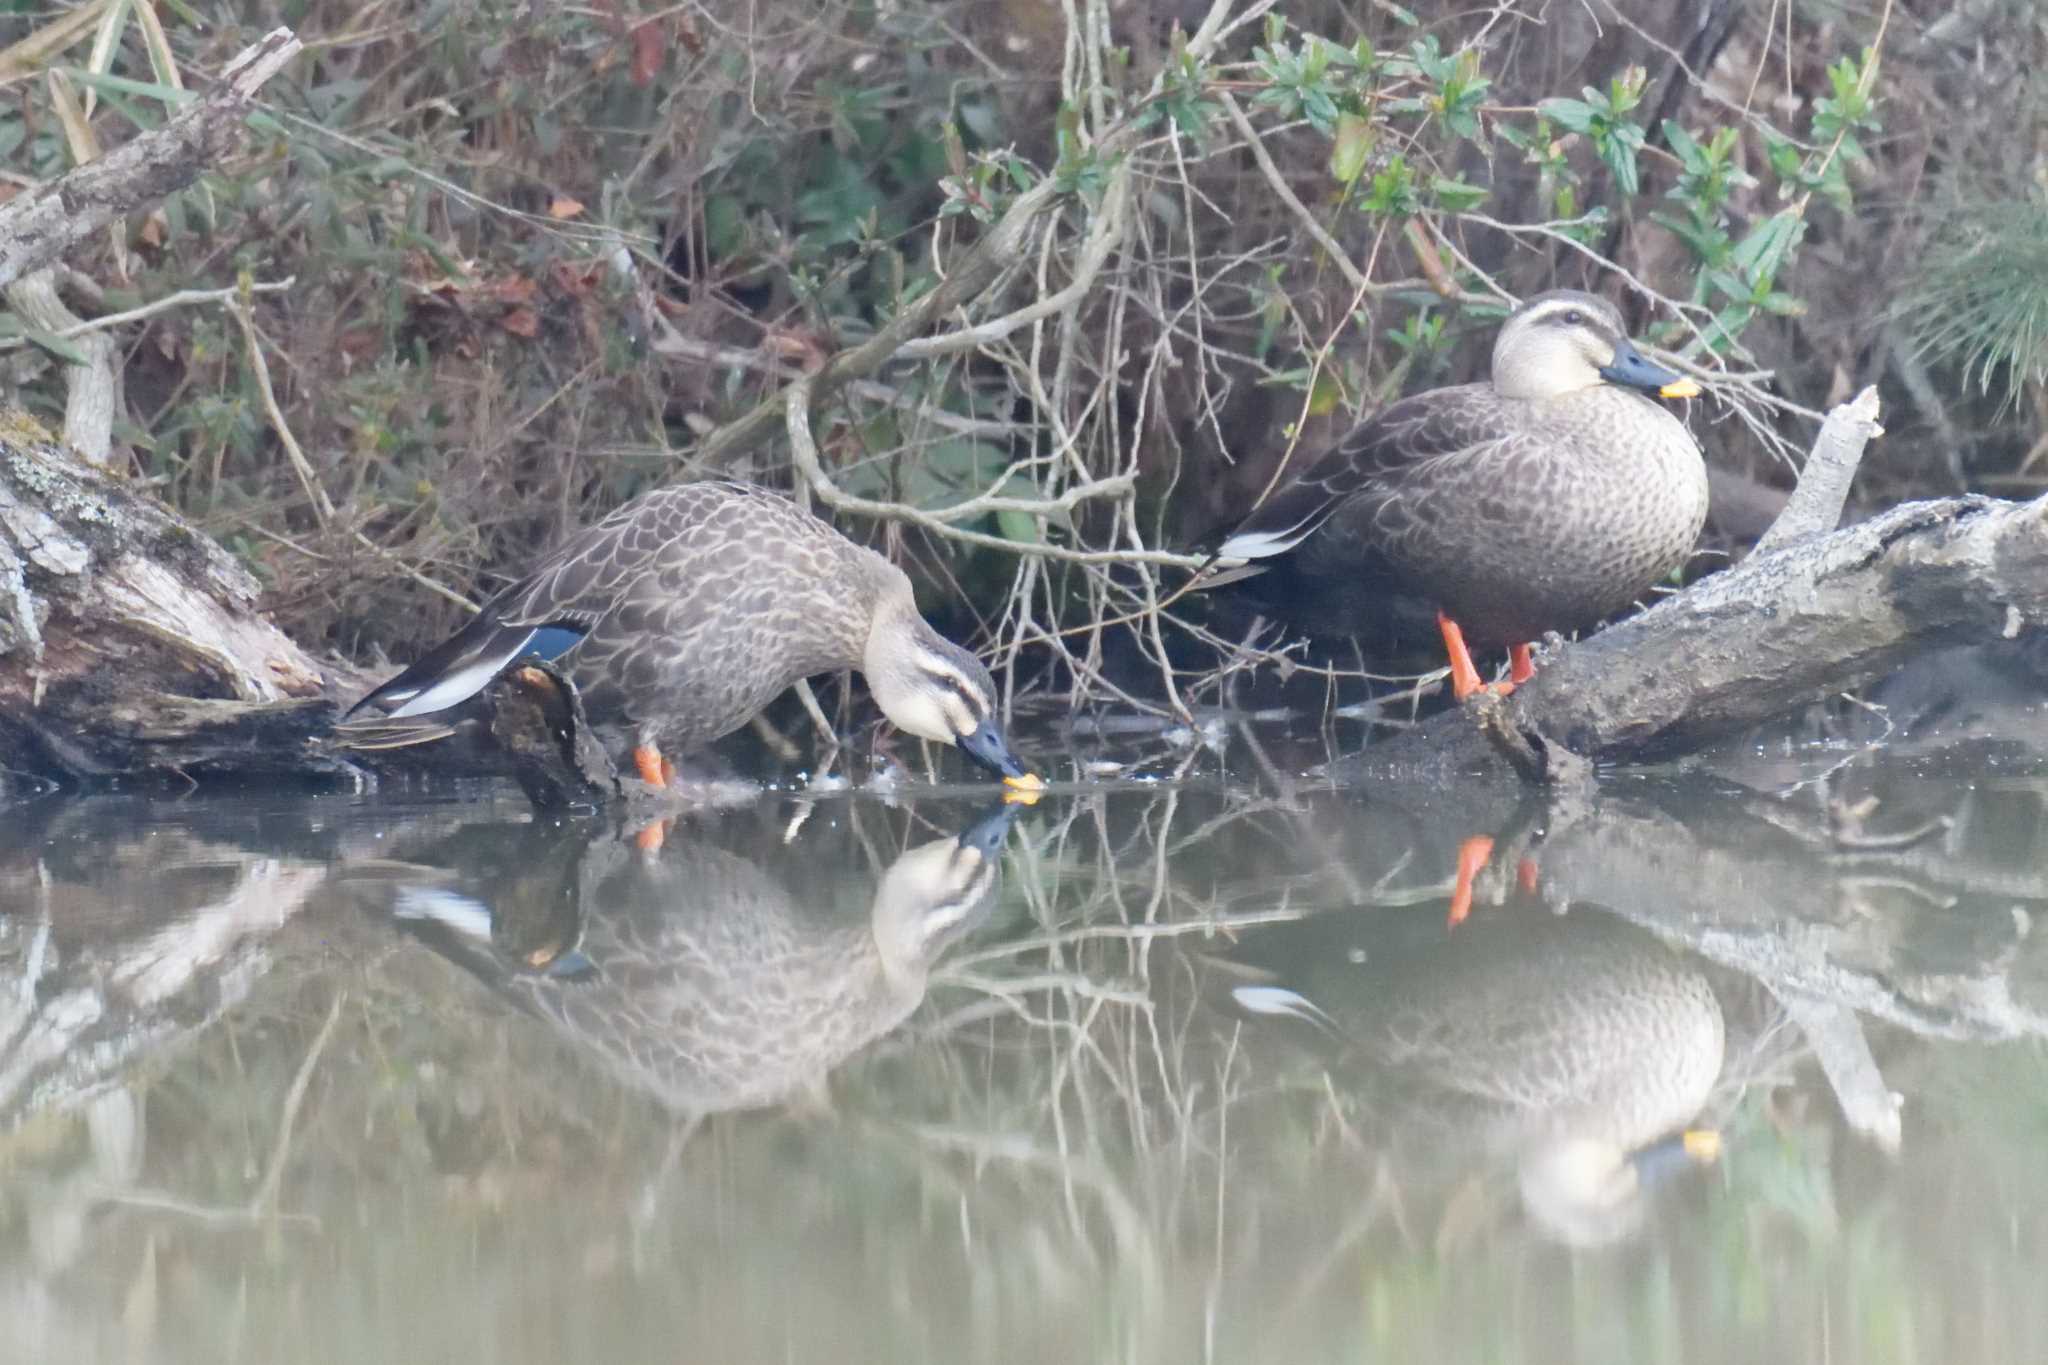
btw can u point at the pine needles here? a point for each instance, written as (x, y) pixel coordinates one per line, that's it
(1980, 299)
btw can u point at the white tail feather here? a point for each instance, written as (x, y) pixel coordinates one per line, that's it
(1266, 544)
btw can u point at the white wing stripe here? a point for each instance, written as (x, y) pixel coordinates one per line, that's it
(462, 683)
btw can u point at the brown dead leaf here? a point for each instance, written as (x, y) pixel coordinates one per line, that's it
(575, 279)
(790, 343)
(564, 207)
(521, 322)
(650, 46)
(514, 289)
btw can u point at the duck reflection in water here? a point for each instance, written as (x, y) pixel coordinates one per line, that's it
(1576, 1050)
(695, 974)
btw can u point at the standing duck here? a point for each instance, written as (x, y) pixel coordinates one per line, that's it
(690, 608)
(1548, 498)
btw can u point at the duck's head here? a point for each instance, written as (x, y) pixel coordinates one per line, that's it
(930, 687)
(1564, 341)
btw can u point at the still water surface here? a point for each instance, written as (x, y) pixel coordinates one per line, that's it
(1160, 1072)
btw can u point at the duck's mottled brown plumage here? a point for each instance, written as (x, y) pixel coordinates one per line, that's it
(1514, 515)
(704, 602)
(686, 611)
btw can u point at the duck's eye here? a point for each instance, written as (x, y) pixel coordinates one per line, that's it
(1574, 318)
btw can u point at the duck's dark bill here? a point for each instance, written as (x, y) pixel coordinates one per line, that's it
(1632, 370)
(986, 746)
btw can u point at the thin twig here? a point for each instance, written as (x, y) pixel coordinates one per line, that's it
(266, 1193)
(260, 369)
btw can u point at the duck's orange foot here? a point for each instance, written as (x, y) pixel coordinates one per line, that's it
(1465, 674)
(1464, 677)
(1521, 664)
(1473, 854)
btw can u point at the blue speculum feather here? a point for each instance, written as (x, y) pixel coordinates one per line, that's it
(551, 642)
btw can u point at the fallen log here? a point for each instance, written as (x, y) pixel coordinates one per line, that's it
(131, 642)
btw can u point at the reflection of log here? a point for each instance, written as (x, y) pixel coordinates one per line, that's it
(1812, 614)
(1811, 914)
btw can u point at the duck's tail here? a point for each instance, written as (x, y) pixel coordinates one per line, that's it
(456, 670)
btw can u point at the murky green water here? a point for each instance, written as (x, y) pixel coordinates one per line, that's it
(1149, 1073)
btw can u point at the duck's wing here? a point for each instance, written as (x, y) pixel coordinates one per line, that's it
(1375, 459)
(547, 613)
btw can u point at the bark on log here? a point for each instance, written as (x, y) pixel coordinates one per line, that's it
(130, 642)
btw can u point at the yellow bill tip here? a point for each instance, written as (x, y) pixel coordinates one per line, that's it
(1702, 1144)
(1679, 388)
(1024, 790)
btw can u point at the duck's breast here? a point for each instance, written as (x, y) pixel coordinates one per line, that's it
(1567, 518)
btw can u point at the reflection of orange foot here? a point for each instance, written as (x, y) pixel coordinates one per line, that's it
(1472, 856)
(654, 770)
(1525, 876)
(650, 839)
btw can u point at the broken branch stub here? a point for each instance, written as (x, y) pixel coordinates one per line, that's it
(39, 225)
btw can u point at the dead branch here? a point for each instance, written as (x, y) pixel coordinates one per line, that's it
(1816, 504)
(38, 226)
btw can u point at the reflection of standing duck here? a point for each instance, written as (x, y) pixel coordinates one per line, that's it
(697, 977)
(1578, 1047)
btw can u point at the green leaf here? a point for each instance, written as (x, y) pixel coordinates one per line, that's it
(1349, 150)
(1759, 254)
(1621, 160)
(1689, 152)
(121, 85)
(1576, 115)
(1456, 196)
(55, 346)
(1393, 189)
(1021, 527)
